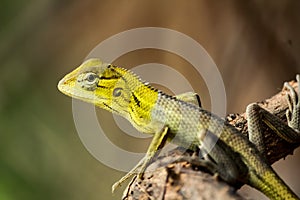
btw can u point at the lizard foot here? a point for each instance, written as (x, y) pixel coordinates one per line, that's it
(293, 99)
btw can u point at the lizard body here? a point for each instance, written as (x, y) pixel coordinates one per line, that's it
(238, 160)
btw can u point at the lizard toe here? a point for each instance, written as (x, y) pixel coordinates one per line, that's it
(293, 100)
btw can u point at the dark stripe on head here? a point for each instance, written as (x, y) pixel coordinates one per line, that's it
(116, 111)
(110, 107)
(102, 86)
(137, 101)
(113, 77)
(108, 78)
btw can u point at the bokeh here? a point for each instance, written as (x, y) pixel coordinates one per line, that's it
(255, 45)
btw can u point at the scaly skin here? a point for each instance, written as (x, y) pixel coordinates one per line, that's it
(150, 111)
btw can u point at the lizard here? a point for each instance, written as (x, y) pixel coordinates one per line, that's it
(181, 120)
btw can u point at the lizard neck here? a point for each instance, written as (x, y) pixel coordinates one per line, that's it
(143, 98)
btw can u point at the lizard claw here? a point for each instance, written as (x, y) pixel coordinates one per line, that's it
(293, 99)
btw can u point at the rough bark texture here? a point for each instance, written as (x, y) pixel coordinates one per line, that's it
(181, 180)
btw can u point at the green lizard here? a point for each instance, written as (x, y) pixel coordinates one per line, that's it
(179, 119)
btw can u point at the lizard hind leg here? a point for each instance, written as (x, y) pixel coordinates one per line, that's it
(256, 115)
(229, 166)
(254, 118)
(217, 159)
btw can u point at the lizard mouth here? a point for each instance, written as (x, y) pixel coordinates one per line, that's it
(64, 87)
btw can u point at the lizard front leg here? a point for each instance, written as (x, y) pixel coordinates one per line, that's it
(190, 97)
(157, 143)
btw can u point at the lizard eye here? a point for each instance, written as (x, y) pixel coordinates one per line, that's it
(91, 77)
(88, 81)
(117, 92)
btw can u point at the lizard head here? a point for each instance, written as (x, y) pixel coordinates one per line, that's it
(99, 83)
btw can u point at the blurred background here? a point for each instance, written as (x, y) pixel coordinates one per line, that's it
(255, 45)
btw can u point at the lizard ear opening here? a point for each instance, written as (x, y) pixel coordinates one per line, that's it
(117, 92)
